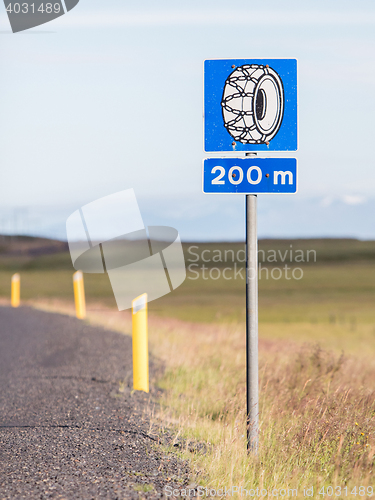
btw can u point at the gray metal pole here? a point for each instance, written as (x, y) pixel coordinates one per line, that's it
(252, 396)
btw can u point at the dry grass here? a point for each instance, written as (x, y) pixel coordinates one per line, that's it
(317, 407)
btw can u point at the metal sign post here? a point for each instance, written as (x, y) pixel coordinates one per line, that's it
(252, 401)
(250, 105)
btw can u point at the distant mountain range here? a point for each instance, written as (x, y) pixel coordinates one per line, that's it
(221, 217)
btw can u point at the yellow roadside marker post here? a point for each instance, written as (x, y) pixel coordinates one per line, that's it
(15, 290)
(140, 344)
(79, 295)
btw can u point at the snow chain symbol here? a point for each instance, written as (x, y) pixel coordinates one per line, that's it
(253, 104)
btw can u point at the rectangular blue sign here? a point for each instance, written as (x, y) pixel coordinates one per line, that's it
(250, 175)
(250, 105)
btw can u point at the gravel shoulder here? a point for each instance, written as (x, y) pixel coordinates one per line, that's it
(70, 426)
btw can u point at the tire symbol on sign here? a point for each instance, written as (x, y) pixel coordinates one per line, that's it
(253, 104)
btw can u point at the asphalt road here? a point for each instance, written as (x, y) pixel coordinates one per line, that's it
(69, 425)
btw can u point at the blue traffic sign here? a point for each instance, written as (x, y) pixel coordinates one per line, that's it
(250, 105)
(250, 175)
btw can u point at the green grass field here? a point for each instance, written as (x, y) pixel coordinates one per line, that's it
(334, 289)
(336, 286)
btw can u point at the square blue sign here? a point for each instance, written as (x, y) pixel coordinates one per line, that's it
(250, 105)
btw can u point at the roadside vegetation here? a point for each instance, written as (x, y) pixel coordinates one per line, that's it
(317, 362)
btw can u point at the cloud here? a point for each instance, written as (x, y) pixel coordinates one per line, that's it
(326, 202)
(189, 17)
(353, 199)
(347, 199)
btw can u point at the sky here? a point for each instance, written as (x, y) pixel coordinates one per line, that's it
(109, 97)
